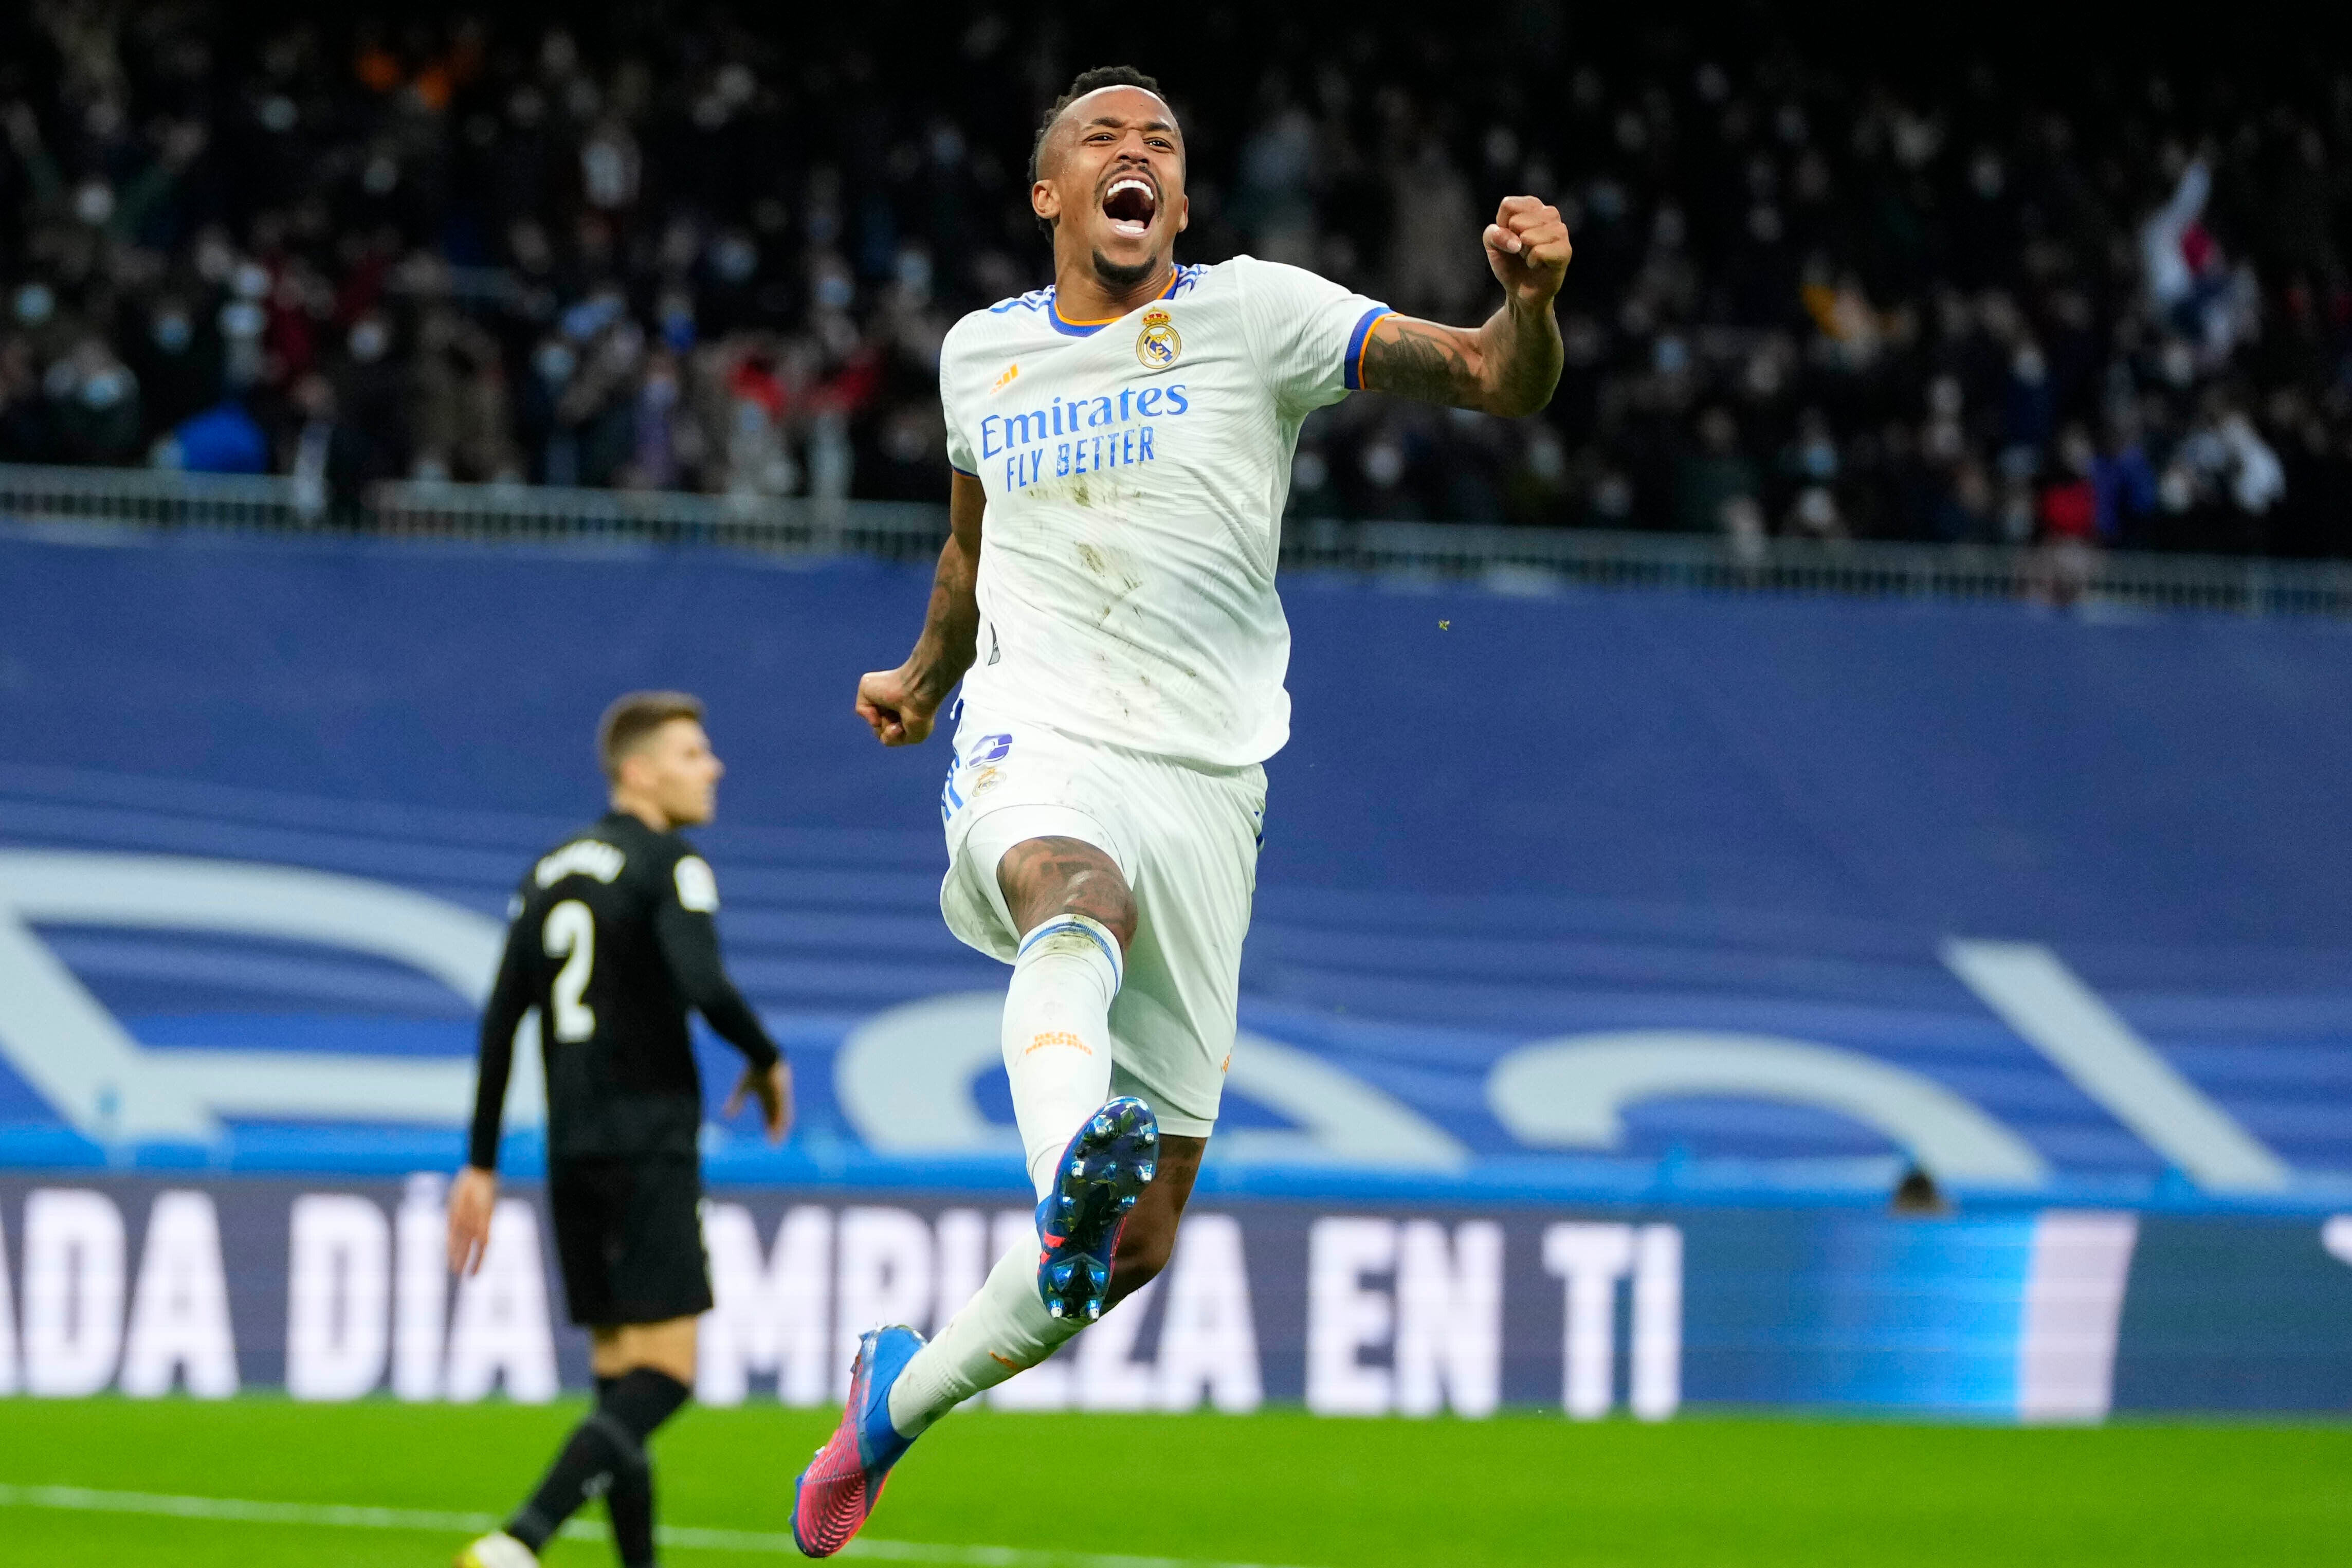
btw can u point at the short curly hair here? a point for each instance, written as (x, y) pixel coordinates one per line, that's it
(1085, 82)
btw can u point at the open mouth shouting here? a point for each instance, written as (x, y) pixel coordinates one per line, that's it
(1130, 202)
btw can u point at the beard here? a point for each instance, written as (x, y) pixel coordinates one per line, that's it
(1124, 278)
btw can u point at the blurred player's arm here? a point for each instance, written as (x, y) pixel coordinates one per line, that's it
(1510, 365)
(476, 1187)
(901, 703)
(689, 946)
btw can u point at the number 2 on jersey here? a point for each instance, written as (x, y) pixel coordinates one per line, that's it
(570, 934)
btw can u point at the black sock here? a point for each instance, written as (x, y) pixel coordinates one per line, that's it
(624, 1482)
(599, 1450)
(637, 1401)
(629, 1503)
(642, 1399)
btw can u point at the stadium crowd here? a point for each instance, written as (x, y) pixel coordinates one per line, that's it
(717, 251)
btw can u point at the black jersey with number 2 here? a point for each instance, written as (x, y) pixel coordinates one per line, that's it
(613, 940)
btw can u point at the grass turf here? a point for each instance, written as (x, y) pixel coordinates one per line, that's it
(1279, 1488)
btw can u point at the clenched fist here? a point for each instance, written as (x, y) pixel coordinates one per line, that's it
(899, 711)
(1527, 247)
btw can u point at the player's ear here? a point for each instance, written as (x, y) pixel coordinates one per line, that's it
(1183, 212)
(1045, 200)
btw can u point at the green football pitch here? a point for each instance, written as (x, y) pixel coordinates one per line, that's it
(259, 1482)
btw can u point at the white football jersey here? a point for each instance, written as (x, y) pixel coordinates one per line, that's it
(1136, 471)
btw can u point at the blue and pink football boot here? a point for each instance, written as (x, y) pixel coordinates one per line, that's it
(833, 1496)
(1102, 1174)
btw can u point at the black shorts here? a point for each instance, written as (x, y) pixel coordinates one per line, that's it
(628, 1230)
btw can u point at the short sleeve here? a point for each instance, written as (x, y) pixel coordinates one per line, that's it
(697, 890)
(1311, 332)
(960, 456)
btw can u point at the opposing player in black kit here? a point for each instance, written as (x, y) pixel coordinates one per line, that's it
(613, 941)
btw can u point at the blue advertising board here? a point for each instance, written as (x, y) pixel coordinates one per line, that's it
(338, 1290)
(1596, 895)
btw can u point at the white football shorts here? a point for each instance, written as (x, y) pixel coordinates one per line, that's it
(1187, 839)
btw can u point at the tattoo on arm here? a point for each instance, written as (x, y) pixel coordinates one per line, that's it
(951, 636)
(1509, 365)
(949, 640)
(1523, 359)
(1421, 360)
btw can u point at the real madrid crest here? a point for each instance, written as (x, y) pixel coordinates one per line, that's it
(1158, 345)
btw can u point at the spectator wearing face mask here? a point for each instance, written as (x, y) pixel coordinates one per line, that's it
(328, 457)
(94, 406)
(370, 393)
(177, 357)
(1713, 476)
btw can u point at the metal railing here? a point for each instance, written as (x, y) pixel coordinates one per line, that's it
(1535, 559)
(1513, 559)
(422, 509)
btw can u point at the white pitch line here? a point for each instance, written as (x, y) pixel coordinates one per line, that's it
(344, 1516)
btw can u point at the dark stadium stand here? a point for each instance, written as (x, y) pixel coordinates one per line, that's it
(1983, 294)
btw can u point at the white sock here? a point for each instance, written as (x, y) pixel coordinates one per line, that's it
(1056, 1034)
(1056, 1041)
(1003, 1329)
